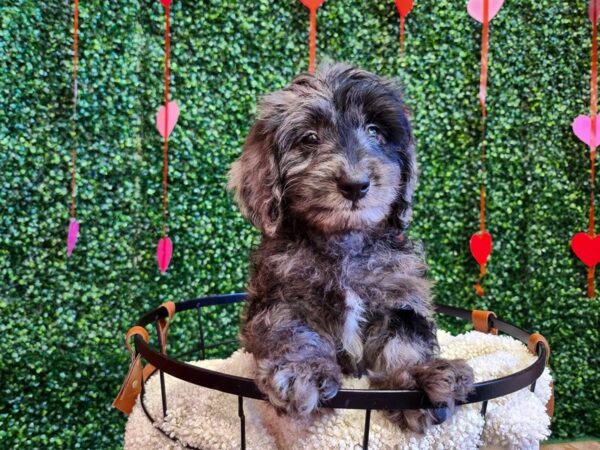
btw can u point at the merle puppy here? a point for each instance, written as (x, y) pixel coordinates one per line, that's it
(327, 175)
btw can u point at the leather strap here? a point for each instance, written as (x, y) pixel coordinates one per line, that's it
(132, 385)
(164, 323)
(132, 332)
(481, 321)
(163, 330)
(550, 404)
(532, 345)
(533, 342)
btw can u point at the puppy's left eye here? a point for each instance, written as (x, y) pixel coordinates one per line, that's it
(373, 130)
(310, 138)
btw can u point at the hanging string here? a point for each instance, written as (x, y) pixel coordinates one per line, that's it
(73, 232)
(482, 97)
(166, 119)
(166, 136)
(312, 6)
(74, 148)
(401, 34)
(404, 7)
(593, 114)
(312, 43)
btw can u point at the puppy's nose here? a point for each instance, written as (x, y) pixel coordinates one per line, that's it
(354, 188)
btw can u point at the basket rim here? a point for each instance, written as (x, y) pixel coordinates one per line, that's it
(364, 399)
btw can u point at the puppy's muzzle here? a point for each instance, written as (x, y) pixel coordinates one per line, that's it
(354, 187)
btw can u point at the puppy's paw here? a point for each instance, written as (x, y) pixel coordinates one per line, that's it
(417, 420)
(298, 387)
(408, 419)
(444, 381)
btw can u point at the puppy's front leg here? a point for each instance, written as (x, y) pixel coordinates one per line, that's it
(400, 351)
(296, 367)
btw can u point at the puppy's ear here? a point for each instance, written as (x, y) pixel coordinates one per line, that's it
(402, 209)
(254, 179)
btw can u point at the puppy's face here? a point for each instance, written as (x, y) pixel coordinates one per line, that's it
(333, 151)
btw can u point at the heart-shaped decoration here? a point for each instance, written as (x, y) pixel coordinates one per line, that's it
(72, 236)
(586, 248)
(475, 9)
(164, 250)
(173, 115)
(312, 4)
(165, 3)
(594, 10)
(582, 127)
(405, 6)
(481, 246)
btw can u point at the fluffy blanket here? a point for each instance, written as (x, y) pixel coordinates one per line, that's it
(208, 419)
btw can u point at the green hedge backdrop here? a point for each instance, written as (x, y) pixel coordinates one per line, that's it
(62, 321)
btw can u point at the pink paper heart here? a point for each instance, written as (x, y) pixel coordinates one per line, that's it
(582, 127)
(594, 10)
(312, 4)
(173, 115)
(164, 250)
(165, 3)
(72, 236)
(475, 9)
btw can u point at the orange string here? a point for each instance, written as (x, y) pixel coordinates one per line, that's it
(482, 97)
(401, 33)
(166, 137)
(593, 114)
(312, 44)
(74, 148)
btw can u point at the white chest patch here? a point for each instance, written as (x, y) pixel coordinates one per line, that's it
(352, 336)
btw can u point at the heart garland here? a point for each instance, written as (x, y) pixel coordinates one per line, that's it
(586, 246)
(481, 243)
(404, 7)
(312, 6)
(73, 232)
(166, 118)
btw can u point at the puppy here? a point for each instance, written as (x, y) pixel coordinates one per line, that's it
(327, 174)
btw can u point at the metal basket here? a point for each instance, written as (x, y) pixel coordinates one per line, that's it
(365, 399)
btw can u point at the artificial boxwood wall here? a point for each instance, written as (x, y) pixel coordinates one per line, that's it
(62, 321)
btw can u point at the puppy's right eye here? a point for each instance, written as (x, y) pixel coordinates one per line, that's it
(310, 138)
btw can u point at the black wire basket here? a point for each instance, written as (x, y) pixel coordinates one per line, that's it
(361, 399)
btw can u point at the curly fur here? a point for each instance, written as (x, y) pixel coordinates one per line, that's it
(334, 285)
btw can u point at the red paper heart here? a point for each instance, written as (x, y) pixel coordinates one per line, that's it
(475, 9)
(312, 4)
(405, 6)
(164, 250)
(165, 3)
(172, 119)
(594, 10)
(582, 127)
(586, 248)
(481, 246)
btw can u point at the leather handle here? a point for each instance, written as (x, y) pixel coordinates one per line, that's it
(534, 340)
(132, 385)
(132, 332)
(165, 323)
(163, 329)
(532, 344)
(482, 321)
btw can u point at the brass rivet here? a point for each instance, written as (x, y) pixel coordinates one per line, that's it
(134, 384)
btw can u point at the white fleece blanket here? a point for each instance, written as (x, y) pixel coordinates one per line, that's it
(208, 419)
